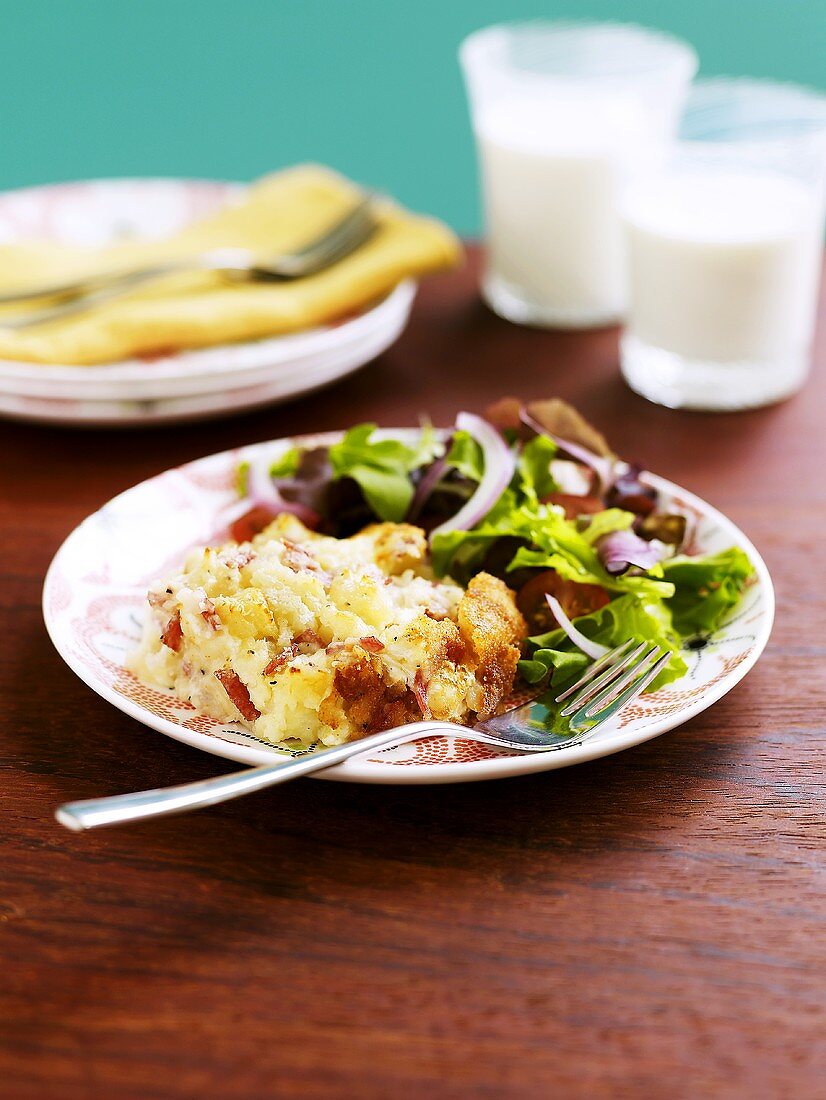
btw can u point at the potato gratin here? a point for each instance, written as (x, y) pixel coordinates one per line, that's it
(305, 637)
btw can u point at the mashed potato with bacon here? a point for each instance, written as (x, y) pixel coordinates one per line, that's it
(299, 636)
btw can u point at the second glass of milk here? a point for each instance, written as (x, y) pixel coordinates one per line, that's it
(724, 249)
(562, 113)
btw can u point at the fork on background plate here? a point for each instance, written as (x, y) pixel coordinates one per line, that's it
(236, 264)
(605, 687)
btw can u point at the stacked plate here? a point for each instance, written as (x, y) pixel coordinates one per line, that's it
(190, 384)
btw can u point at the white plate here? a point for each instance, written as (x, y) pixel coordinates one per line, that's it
(267, 387)
(211, 370)
(103, 211)
(95, 594)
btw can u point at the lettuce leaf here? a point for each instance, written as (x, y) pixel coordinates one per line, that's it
(644, 620)
(550, 541)
(465, 455)
(554, 655)
(605, 523)
(566, 664)
(428, 447)
(706, 588)
(382, 467)
(284, 466)
(534, 479)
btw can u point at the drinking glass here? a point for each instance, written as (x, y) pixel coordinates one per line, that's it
(724, 249)
(561, 112)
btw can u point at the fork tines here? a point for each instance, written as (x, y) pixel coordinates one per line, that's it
(612, 681)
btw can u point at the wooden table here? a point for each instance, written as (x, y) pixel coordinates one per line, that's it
(649, 925)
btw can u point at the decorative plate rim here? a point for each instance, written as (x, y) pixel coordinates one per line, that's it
(494, 767)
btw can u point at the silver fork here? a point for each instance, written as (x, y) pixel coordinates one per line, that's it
(236, 264)
(606, 687)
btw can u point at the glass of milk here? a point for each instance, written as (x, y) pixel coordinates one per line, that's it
(724, 250)
(561, 112)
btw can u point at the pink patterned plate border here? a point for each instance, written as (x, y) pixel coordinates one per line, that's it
(94, 595)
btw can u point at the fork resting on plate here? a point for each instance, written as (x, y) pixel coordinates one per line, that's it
(236, 264)
(607, 686)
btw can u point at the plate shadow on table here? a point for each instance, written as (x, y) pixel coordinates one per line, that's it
(310, 875)
(591, 808)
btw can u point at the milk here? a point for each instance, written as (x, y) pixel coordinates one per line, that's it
(551, 173)
(724, 267)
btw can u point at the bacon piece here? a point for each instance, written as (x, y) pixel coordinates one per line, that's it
(305, 642)
(280, 660)
(300, 560)
(237, 557)
(369, 644)
(236, 689)
(208, 612)
(420, 691)
(297, 557)
(173, 634)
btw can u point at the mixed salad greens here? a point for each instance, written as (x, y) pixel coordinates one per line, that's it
(533, 494)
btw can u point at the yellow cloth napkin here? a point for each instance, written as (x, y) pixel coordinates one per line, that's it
(277, 214)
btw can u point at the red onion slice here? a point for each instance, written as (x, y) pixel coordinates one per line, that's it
(499, 469)
(630, 493)
(619, 550)
(425, 487)
(263, 492)
(592, 649)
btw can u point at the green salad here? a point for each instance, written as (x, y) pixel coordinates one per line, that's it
(532, 494)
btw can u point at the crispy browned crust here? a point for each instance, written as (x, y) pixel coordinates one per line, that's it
(368, 703)
(486, 642)
(440, 640)
(493, 628)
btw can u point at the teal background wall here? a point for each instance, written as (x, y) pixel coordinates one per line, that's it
(235, 89)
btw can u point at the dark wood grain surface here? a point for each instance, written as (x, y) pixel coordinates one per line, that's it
(649, 925)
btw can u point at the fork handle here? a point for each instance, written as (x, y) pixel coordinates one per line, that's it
(217, 259)
(348, 234)
(91, 813)
(80, 297)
